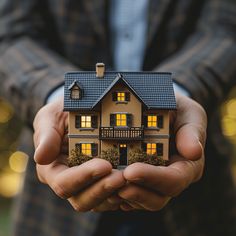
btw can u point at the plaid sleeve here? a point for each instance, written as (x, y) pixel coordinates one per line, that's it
(29, 71)
(206, 65)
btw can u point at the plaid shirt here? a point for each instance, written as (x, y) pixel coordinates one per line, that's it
(41, 39)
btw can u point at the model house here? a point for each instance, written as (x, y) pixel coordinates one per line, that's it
(127, 111)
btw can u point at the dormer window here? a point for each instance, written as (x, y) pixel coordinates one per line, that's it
(75, 91)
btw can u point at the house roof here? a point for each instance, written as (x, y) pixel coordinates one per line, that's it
(154, 89)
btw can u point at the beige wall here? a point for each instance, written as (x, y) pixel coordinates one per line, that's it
(133, 107)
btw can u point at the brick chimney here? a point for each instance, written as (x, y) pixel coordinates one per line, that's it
(100, 70)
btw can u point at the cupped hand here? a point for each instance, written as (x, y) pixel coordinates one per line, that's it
(151, 187)
(90, 186)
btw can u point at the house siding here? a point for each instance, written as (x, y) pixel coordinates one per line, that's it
(133, 107)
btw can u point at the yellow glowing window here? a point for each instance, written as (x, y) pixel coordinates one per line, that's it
(120, 97)
(151, 148)
(121, 120)
(86, 122)
(86, 148)
(152, 121)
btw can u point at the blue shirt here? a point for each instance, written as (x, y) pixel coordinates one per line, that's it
(128, 28)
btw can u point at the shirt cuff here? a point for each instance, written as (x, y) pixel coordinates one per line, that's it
(55, 94)
(181, 90)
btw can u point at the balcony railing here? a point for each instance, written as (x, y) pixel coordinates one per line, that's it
(129, 133)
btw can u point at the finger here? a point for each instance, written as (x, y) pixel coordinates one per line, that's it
(126, 207)
(49, 126)
(115, 199)
(169, 181)
(190, 128)
(106, 206)
(66, 181)
(134, 205)
(143, 198)
(94, 195)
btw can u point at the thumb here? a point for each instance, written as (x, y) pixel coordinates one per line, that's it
(49, 126)
(190, 126)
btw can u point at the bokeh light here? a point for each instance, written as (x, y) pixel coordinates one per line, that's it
(18, 161)
(6, 112)
(10, 184)
(229, 119)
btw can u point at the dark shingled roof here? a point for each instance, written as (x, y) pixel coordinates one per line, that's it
(154, 89)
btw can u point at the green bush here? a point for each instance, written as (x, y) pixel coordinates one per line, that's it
(140, 156)
(77, 158)
(111, 155)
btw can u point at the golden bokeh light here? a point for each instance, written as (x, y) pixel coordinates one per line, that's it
(10, 184)
(6, 112)
(229, 126)
(229, 118)
(231, 108)
(18, 161)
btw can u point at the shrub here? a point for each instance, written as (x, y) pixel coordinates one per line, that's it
(140, 156)
(111, 155)
(77, 158)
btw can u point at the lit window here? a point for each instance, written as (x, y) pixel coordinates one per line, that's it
(86, 122)
(120, 97)
(121, 120)
(151, 148)
(86, 149)
(152, 121)
(75, 93)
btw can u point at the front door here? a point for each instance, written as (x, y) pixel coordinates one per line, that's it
(123, 154)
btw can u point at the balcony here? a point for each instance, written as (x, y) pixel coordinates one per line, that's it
(118, 133)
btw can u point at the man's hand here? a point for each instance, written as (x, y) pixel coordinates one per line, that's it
(92, 185)
(151, 187)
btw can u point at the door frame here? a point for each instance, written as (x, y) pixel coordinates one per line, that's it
(125, 157)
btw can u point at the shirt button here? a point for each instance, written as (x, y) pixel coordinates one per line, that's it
(127, 36)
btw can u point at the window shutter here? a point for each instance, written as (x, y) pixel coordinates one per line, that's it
(127, 96)
(144, 147)
(160, 121)
(112, 120)
(94, 149)
(114, 96)
(94, 121)
(129, 120)
(78, 122)
(145, 121)
(78, 147)
(159, 149)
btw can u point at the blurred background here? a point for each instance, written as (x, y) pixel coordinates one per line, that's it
(13, 162)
